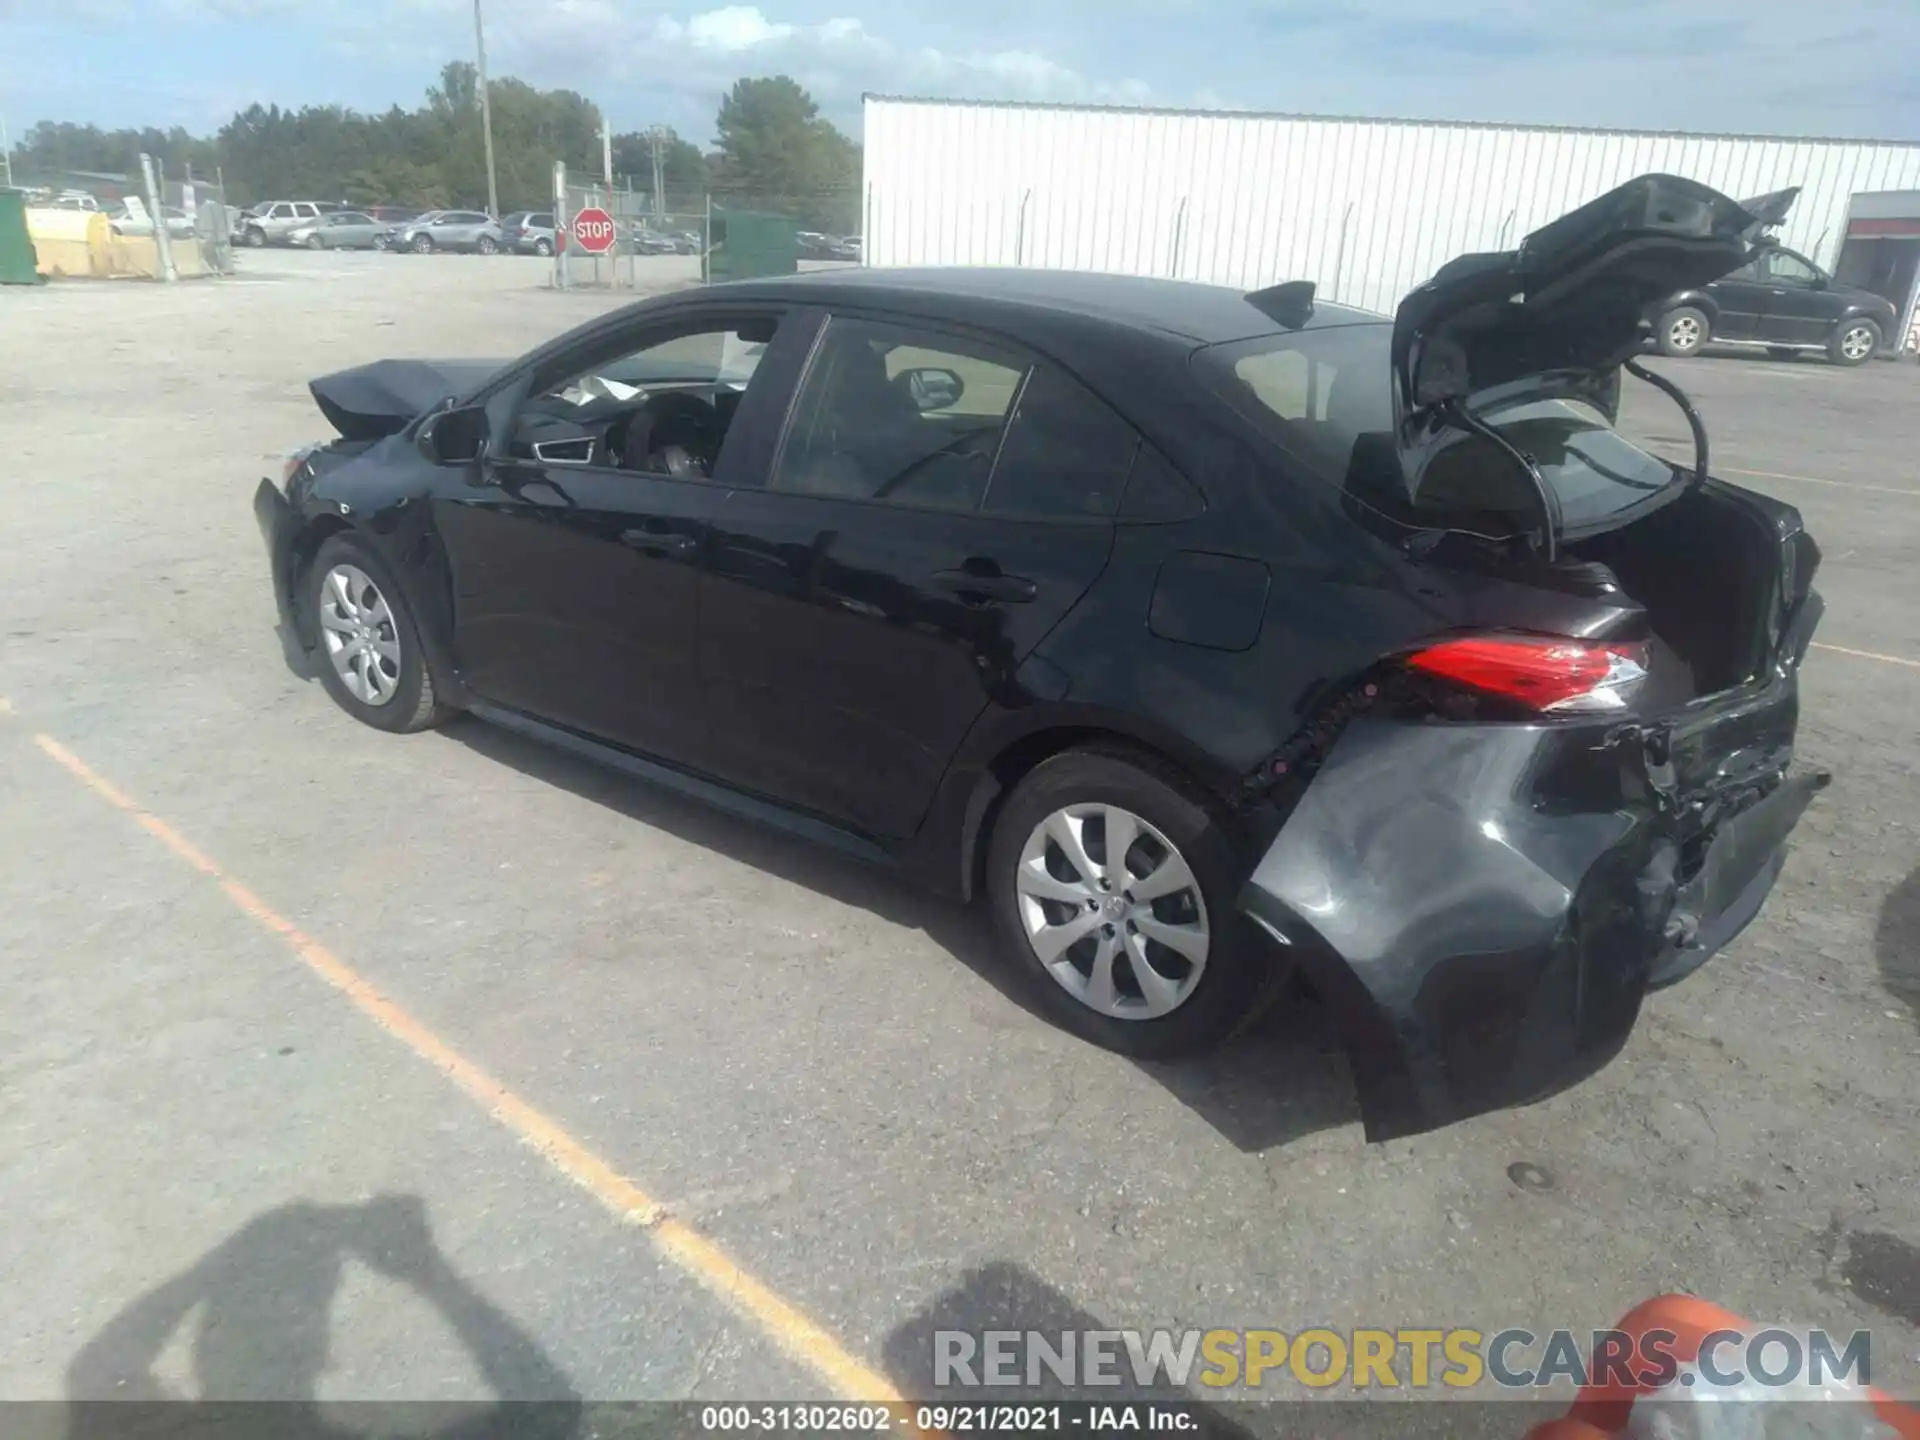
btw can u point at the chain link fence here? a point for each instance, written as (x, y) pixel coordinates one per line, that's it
(685, 237)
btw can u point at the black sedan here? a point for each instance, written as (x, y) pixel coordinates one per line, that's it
(1214, 639)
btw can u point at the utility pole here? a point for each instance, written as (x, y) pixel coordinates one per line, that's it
(606, 150)
(6, 157)
(657, 134)
(486, 111)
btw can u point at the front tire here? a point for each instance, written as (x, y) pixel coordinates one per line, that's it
(423, 244)
(1683, 331)
(314, 242)
(1854, 342)
(1140, 951)
(367, 644)
(257, 238)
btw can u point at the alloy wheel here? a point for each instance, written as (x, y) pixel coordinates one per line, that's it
(362, 641)
(1684, 333)
(1857, 343)
(1113, 911)
(486, 246)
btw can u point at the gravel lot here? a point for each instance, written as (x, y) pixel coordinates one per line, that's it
(822, 1074)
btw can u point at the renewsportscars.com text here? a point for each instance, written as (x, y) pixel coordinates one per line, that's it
(1417, 1359)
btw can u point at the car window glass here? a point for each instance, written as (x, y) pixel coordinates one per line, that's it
(541, 222)
(890, 412)
(306, 212)
(1065, 454)
(1789, 269)
(663, 408)
(1290, 383)
(1157, 491)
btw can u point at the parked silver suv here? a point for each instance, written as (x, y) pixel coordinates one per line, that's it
(447, 230)
(272, 222)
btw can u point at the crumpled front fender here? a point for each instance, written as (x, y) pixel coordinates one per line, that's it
(1480, 906)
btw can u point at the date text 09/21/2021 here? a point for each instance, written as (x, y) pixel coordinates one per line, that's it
(948, 1419)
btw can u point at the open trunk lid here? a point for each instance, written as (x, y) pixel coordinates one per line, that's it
(369, 402)
(1573, 296)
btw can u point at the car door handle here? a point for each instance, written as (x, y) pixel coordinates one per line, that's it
(658, 542)
(1012, 589)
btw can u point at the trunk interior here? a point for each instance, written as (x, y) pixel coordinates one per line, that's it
(1706, 569)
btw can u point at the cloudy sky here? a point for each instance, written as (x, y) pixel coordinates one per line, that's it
(1813, 67)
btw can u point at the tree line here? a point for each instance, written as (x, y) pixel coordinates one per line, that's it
(772, 149)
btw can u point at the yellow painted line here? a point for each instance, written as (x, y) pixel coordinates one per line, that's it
(800, 1337)
(1869, 655)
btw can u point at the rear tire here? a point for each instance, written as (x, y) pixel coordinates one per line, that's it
(543, 248)
(487, 245)
(1176, 882)
(1683, 331)
(1854, 342)
(367, 646)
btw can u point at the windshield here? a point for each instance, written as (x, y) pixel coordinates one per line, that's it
(1327, 396)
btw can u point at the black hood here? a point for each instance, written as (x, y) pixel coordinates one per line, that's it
(369, 402)
(1573, 298)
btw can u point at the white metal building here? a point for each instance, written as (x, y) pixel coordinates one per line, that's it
(1367, 209)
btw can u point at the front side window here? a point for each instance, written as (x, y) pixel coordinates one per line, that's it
(1785, 268)
(663, 408)
(895, 413)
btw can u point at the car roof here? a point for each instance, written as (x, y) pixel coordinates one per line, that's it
(1203, 314)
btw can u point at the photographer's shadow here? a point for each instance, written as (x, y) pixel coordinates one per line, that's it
(260, 1308)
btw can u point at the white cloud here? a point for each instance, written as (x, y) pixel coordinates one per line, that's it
(738, 27)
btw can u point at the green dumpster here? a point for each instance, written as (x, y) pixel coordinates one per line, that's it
(746, 244)
(18, 263)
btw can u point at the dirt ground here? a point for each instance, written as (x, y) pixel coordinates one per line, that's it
(826, 1078)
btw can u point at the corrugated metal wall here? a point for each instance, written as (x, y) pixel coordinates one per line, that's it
(1367, 209)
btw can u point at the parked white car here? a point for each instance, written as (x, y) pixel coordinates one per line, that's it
(128, 219)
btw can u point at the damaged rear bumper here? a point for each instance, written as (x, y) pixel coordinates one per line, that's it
(1484, 907)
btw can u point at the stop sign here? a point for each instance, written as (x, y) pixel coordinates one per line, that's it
(593, 229)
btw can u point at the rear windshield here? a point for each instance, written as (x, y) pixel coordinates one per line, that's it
(1327, 396)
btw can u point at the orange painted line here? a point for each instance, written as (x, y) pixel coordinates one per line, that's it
(800, 1337)
(1868, 655)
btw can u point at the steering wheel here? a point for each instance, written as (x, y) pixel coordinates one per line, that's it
(671, 434)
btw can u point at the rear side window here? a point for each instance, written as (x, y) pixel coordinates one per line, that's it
(899, 414)
(1065, 453)
(540, 222)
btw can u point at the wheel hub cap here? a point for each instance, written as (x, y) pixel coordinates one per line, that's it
(358, 630)
(1113, 911)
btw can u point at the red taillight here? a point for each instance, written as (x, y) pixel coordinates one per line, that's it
(1545, 673)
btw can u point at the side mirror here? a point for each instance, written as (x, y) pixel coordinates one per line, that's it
(1819, 282)
(933, 388)
(454, 437)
